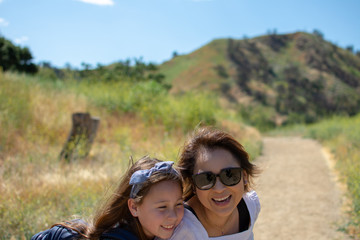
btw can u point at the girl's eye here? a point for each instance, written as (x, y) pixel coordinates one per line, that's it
(162, 207)
(179, 204)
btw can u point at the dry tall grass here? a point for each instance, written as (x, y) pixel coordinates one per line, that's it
(36, 189)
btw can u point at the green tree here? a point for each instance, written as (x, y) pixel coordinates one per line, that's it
(15, 58)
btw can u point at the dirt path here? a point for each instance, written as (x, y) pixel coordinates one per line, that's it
(299, 196)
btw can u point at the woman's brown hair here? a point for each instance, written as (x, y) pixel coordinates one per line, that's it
(208, 139)
(115, 211)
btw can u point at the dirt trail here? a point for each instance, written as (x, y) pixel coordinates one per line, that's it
(299, 196)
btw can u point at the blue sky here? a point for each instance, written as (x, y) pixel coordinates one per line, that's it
(106, 31)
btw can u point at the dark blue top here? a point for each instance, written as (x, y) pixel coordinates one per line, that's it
(62, 233)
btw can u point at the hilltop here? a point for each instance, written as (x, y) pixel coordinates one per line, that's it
(272, 79)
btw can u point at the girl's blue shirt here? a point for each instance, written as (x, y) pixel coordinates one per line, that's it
(62, 233)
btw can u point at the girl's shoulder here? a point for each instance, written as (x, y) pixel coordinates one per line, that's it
(118, 233)
(60, 232)
(57, 233)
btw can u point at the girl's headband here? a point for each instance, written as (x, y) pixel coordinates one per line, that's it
(141, 176)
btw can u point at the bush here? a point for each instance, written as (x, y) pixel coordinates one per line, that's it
(259, 116)
(151, 101)
(187, 111)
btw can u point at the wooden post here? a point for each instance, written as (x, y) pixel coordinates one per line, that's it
(81, 137)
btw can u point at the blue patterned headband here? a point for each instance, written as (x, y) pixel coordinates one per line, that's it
(141, 176)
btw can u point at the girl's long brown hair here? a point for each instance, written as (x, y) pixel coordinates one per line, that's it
(115, 212)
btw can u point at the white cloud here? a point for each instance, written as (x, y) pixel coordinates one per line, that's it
(21, 40)
(98, 2)
(3, 22)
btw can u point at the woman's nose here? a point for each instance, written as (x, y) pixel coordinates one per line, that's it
(219, 186)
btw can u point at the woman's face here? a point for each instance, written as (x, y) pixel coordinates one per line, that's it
(220, 200)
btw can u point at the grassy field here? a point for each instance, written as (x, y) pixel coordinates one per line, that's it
(139, 118)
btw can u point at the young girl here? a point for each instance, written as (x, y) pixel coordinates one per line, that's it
(147, 204)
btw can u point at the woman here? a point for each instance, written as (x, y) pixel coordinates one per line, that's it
(217, 175)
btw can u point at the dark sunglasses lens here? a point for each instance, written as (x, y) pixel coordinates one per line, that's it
(230, 176)
(204, 180)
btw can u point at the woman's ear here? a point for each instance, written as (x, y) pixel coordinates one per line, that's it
(245, 177)
(133, 207)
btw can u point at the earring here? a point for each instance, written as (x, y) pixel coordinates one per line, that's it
(135, 213)
(245, 182)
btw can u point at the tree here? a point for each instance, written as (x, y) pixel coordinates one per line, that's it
(358, 53)
(15, 58)
(319, 34)
(350, 48)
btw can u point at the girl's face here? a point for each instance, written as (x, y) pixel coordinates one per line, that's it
(161, 209)
(220, 200)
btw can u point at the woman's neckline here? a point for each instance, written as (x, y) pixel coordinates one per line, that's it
(242, 206)
(229, 226)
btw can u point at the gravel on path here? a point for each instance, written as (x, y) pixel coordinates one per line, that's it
(299, 195)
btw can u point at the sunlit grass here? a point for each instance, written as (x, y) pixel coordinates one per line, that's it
(342, 136)
(34, 196)
(37, 190)
(151, 102)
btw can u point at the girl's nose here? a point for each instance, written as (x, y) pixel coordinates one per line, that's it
(172, 214)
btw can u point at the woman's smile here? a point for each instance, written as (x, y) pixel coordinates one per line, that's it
(222, 201)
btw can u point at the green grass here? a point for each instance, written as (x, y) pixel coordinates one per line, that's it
(179, 64)
(342, 136)
(15, 108)
(37, 192)
(197, 67)
(136, 118)
(151, 102)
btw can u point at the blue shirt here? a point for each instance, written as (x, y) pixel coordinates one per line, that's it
(62, 233)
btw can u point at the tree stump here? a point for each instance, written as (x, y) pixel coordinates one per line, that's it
(81, 137)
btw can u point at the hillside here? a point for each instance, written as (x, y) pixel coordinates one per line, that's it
(139, 116)
(272, 79)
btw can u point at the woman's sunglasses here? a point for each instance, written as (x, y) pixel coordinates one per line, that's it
(228, 176)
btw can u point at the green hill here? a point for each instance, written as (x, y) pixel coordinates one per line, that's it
(272, 79)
